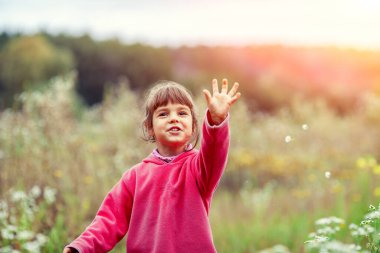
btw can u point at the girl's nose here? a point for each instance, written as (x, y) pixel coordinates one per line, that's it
(173, 118)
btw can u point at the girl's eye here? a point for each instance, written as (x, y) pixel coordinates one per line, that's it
(183, 113)
(161, 114)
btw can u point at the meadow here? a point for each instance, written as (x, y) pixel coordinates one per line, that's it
(286, 170)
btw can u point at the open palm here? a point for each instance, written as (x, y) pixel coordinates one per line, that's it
(219, 103)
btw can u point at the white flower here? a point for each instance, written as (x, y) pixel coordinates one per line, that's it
(337, 220)
(35, 192)
(373, 215)
(25, 235)
(49, 194)
(326, 231)
(305, 127)
(353, 226)
(18, 196)
(33, 247)
(336, 246)
(42, 239)
(288, 138)
(7, 234)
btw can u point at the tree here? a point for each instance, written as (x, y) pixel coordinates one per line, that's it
(30, 60)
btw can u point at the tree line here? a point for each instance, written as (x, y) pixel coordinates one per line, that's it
(271, 76)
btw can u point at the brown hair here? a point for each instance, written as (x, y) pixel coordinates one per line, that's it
(162, 93)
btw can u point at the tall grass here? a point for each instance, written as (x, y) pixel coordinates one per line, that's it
(285, 171)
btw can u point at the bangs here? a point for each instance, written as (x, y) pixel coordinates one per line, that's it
(170, 94)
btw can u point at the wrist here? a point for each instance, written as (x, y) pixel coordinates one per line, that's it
(216, 119)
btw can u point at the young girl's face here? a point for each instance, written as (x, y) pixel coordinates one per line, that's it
(172, 128)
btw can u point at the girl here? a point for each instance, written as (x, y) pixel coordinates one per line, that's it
(163, 202)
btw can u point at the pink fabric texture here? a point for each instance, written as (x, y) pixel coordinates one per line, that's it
(163, 207)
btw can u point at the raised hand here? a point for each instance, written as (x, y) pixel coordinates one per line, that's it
(219, 103)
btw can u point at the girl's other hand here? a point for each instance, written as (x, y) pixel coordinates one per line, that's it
(69, 250)
(219, 103)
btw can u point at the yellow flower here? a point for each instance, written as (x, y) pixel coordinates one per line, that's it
(371, 162)
(85, 205)
(376, 169)
(361, 163)
(58, 173)
(336, 188)
(376, 192)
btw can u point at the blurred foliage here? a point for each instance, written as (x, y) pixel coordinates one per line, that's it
(273, 189)
(271, 76)
(30, 60)
(102, 64)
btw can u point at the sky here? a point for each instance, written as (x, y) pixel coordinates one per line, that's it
(346, 23)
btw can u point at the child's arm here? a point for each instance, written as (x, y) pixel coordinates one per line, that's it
(111, 221)
(212, 157)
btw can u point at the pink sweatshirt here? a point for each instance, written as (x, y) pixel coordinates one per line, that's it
(163, 206)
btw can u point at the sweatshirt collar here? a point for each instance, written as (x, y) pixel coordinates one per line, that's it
(169, 159)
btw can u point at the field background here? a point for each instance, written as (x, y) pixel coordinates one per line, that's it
(305, 135)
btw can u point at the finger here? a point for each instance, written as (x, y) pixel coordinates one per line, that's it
(233, 89)
(215, 89)
(235, 98)
(224, 86)
(207, 96)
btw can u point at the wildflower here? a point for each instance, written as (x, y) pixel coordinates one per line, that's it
(305, 127)
(58, 173)
(35, 192)
(318, 239)
(42, 239)
(18, 196)
(33, 247)
(371, 162)
(329, 221)
(376, 192)
(353, 226)
(373, 215)
(24, 235)
(327, 174)
(361, 163)
(288, 139)
(8, 232)
(326, 231)
(376, 169)
(49, 194)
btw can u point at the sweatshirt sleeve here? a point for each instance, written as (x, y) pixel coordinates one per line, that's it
(212, 157)
(111, 221)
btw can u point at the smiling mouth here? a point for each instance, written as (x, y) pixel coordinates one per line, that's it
(174, 129)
